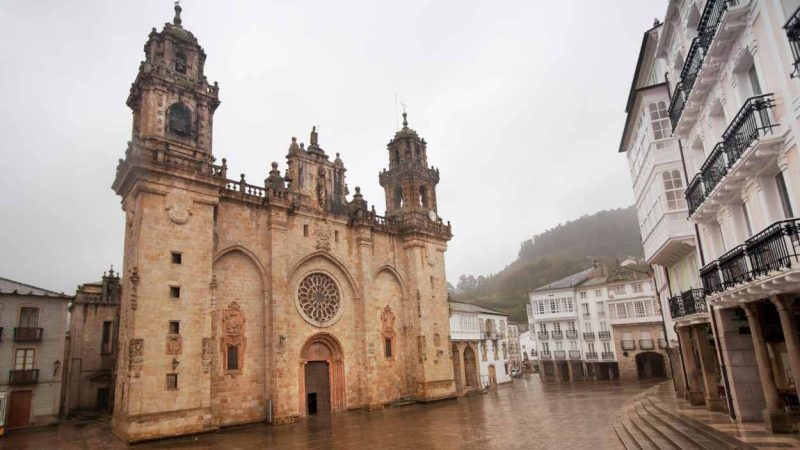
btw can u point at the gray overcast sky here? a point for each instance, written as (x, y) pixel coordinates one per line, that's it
(522, 104)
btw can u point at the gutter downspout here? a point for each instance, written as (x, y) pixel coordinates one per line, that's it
(664, 327)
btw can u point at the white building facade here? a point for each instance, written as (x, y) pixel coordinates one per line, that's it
(480, 346)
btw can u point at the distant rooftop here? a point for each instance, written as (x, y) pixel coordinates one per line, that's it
(470, 308)
(15, 287)
(569, 281)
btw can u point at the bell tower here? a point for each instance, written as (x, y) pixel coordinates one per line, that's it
(173, 104)
(409, 184)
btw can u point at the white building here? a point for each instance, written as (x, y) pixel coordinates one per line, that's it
(514, 351)
(480, 341)
(734, 104)
(530, 355)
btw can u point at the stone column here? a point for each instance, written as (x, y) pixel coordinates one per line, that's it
(611, 372)
(462, 366)
(786, 312)
(677, 372)
(570, 370)
(694, 390)
(713, 401)
(557, 371)
(775, 419)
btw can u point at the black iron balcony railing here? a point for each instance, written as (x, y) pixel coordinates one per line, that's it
(534, 353)
(574, 354)
(543, 335)
(710, 20)
(545, 354)
(711, 279)
(676, 105)
(604, 334)
(560, 354)
(556, 334)
(714, 168)
(695, 194)
(646, 344)
(751, 122)
(694, 62)
(591, 355)
(589, 335)
(23, 376)
(792, 28)
(572, 334)
(774, 248)
(628, 344)
(662, 343)
(608, 355)
(687, 303)
(27, 334)
(587, 315)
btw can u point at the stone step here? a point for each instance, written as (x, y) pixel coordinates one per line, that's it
(676, 439)
(648, 430)
(639, 438)
(698, 438)
(624, 435)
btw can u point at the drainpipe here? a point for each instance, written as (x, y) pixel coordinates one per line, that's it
(664, 327)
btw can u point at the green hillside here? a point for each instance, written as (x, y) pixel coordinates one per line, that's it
(606, 237)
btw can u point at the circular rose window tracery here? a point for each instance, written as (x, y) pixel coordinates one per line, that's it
(318, 298)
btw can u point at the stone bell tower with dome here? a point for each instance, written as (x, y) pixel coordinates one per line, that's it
(246, 303)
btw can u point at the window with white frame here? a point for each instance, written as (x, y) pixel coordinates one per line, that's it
(24, 358)
(603, 326)
(587, 327)
(573, 345)
(557, 326)
(638, 287)
(543, 327)
(619, 289)
(643, 334)
(545, 347)
(583, 294)
(627, 336)
(606, 347)
(598, 293)
(674, 190)
(590, 345)
(559, 346)
(639, 308)
(659, 118)
(585, 308)
(571, 326)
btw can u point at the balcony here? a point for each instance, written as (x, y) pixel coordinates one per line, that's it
(669, 240)
(608, 355)
(545, 354)
(722, 174)
(560, 354)
(572, 334)
(646, 344)
(25, 334)
(628, 344)
(557, 334)
(543, 335)
(792, 28)
(604, 334)
(574, 354)
(589, 336)
(771, 254)
(688, 303)
(591, 355)
(23, 376)
(676, 105)
(662, 344)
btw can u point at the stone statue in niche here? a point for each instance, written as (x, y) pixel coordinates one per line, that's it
(136, 356)
(322, 231)
(387, 318)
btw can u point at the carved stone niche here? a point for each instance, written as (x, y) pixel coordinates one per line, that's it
(233, 327)
(136, 356)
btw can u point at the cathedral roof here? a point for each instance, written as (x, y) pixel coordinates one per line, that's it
(15, 287)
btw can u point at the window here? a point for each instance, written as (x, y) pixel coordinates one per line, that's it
(545, 347)
(571, 326)
(747, 225)
(755, 84)
(585, 307)
(587, 327)
(175, 292)
(557, 326)
(573, 345)
(105, 348)
(28, 317)
(559, 346)
(639, 307)
(659, 119)
(638, 287)
(543, 327)
(233, 357)
(387, 347)
(176, 258)
(24, 359)
(644, 334)
(673, 190)
(172, 381)
(305, 230)
(180, 62)
(174, 327)
(583, 294)
(627, 336)
(603, 326)
(606, 347)
(619, 289)
(336, 236)
(783, 193)
(591, 347)
(598, 293)
(180, 119)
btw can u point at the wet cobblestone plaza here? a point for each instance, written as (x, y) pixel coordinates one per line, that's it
(526, 414)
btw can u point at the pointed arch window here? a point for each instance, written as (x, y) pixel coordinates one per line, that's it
(180, 119)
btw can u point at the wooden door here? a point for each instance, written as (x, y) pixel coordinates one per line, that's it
(19, 409)
(318, 391)
(102, 399)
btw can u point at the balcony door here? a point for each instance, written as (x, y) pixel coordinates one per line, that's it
(28, 317)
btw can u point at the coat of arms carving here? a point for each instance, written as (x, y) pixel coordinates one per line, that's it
(322, 231)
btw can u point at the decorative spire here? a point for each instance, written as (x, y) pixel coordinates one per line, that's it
(177, 20)
(405, 120)
(338, 161)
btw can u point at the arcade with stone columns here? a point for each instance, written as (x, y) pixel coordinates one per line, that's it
(247, 302)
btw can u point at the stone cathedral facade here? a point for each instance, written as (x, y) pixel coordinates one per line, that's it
(246, 303)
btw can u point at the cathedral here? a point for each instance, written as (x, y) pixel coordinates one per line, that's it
(245, 303)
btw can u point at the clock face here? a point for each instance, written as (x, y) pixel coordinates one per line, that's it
(432, 216)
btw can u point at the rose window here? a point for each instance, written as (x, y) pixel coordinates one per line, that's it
(319, 298)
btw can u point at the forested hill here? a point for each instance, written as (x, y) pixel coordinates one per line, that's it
(606, 237)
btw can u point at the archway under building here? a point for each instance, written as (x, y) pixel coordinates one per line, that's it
(470, 368)
(321, 375)
(650, 365)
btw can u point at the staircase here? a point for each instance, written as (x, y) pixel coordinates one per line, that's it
(647, 424)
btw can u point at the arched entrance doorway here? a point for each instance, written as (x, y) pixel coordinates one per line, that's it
(321, 375)
(457, 368)
(492, 375)
(470, 367)
(650, 365)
